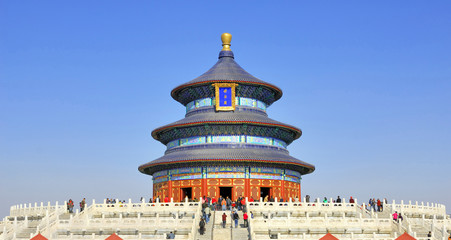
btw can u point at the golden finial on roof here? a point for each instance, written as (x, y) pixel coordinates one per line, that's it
(226, 38)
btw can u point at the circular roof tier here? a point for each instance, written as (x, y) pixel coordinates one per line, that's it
(213, 117)
(225, 154)
(225, 70)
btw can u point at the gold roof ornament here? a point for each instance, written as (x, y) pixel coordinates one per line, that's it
(226, 38)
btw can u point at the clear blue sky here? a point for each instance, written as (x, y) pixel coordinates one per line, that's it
(83, 83)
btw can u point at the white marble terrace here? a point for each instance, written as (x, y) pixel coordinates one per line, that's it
(303, 220)
(281, 220)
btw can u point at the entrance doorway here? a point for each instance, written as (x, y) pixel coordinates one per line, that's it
(186, 192)
(265, 191)
(226, 192)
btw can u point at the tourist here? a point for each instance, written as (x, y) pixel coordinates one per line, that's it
(166, 199)
(171, 235)
(229, 203)
(374, 204)
(219, 202)
(400, 218)
(338, 200)
(266, 198)
(70, 206)
(202, 226)
(351, 200)
(307, 198)
(395, 216)
(236, 217)
(207, 212)
(224, 219)
(325, 200)
(213, 204)
(224, 204)
(252, 215)
(379, 205)
(234, 209)
(271, 199)
(251, 200)
(82, 204)
(245, 217)
(429, 235)
(150, 200)
(243, 204)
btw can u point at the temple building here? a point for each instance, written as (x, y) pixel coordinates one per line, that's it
(226, 144)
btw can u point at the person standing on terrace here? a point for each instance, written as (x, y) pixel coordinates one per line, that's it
(395, 216)
(70, 206)
(245, 217)
(223, 204)
(224, 219)
(207, 212)
(351, 200)
(82, 204)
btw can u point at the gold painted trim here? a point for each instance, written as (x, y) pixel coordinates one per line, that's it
(232, 87)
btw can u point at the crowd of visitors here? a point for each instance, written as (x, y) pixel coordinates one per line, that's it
(70, 205)
(376, 205)
(224, 204)
(397, 217)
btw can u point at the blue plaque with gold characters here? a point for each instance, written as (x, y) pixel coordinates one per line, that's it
(225, 96)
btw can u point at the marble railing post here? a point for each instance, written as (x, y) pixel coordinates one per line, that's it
(26, 221)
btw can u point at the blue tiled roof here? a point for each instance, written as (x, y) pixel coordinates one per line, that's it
(226, 69)
(224, 117)
(217, 153)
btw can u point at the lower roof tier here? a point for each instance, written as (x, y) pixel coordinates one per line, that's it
(224, 154)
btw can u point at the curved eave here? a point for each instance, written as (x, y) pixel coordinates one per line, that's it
(143, 167)
(155, 132)
(176, 91)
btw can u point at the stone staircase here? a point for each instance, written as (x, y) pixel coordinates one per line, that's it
(215, 230)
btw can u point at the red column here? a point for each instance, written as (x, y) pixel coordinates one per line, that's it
(204, 191)
(247, 188)
(204, 187)
(170, 189)
(283, 191)
(300, 191)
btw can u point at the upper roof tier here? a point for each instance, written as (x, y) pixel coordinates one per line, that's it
(225, 70)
